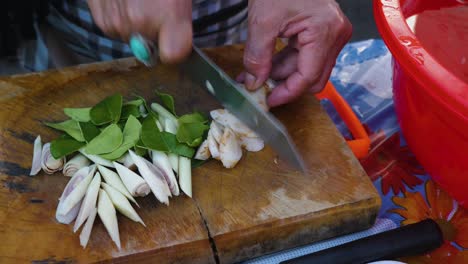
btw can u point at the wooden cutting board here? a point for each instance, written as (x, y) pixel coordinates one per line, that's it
(259, 207)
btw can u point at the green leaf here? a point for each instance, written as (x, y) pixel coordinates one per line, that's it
(197, 163)
(89, 131)
(136, 102)
(191, 133)
(64, 145)
(131, 134)
(192, 118)
(107, 141)
(108, 110)
(78, 114)
(191, 129)
(140, 148)
(128, 110)
(154, 139)
(71, 127)
(148, 109)
(168, 102)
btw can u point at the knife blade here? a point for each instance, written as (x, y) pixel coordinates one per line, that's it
(236, 100)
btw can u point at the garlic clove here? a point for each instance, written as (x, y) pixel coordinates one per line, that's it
(213, 146)
(252, 144)
(230, 150)
(203, 151)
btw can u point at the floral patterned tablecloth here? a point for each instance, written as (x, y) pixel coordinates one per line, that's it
(362, 75)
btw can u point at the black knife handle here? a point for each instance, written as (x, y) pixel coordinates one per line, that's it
(413, 239)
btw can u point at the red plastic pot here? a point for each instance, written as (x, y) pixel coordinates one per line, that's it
(431, 95)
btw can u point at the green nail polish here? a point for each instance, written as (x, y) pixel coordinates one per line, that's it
(143, 50)
(139, 49)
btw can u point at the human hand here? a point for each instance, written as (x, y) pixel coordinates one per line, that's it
(167, 21)
(316, 31)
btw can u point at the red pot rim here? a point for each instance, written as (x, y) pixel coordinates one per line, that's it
(440, 84)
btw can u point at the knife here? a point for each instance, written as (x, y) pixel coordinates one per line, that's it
(204, 72)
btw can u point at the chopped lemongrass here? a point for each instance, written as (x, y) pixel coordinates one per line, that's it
(108, 216)
(121, 203)
(88, 227)
(70, 216)
(173, 158)
(163, 112)
(134, 183)
(76, 195)
(77, 162)
(115, 181)
(89, 202)
(161, 161)
(185, 175)
(127, 161)
(98, 160)
(37, 155)
(79, 176)
(48, 163)
(156, 182)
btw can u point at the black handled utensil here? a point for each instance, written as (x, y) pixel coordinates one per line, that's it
(413, 239)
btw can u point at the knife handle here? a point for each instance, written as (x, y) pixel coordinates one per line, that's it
(361, 143)
(413, 239)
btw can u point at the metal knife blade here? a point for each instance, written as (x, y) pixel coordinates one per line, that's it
(235, 99)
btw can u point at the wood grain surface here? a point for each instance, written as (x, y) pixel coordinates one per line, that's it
(260, 206)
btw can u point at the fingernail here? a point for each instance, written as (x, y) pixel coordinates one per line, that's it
(250, 81)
